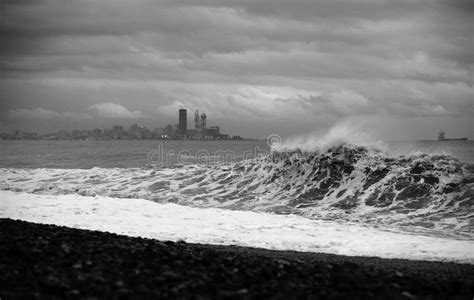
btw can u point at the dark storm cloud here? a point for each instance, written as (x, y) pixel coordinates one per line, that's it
(285, 61)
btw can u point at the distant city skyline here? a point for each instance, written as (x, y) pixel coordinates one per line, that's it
(201, 131)
(396, 70)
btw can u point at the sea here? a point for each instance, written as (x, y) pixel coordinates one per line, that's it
(390, 199)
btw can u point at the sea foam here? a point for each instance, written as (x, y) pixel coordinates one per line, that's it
(425, 194)
(138, 217)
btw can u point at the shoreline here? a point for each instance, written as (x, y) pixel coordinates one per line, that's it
(49, 261)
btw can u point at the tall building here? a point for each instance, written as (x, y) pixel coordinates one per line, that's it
(197, 125)
(203, 125)
(213, 132)
(183, 122)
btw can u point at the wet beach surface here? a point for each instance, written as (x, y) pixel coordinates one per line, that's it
(47, 261)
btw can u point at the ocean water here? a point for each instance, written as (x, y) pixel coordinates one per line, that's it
(409, 199)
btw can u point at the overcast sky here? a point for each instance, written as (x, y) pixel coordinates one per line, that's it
(401, 69)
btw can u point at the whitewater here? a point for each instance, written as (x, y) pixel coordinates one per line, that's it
(142, 218)
(341, 199)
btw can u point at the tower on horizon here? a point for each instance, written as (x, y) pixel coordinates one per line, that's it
(183, 122)
(203, 125)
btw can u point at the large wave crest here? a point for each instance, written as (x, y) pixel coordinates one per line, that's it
(433, 194)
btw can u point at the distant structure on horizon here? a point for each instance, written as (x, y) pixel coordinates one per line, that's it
(200, 131)
(442, 138)
(135, 132)
(183, 123)
(200, 125)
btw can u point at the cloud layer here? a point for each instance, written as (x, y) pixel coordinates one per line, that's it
(100, 110)
(114, 111)
(280, 66)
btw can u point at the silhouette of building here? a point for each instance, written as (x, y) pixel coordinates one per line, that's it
(117, 132)
(183, 123)
(168, 131)
(157, 133)
(203, 125)
(135, 132)
(213, 132)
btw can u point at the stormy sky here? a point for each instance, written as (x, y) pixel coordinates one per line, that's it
(401, 69)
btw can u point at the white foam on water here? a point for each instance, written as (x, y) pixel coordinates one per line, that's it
(138, 217)
(347, 183)
(349, 131)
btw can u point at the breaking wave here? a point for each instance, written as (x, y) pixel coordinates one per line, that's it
(420, 193)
